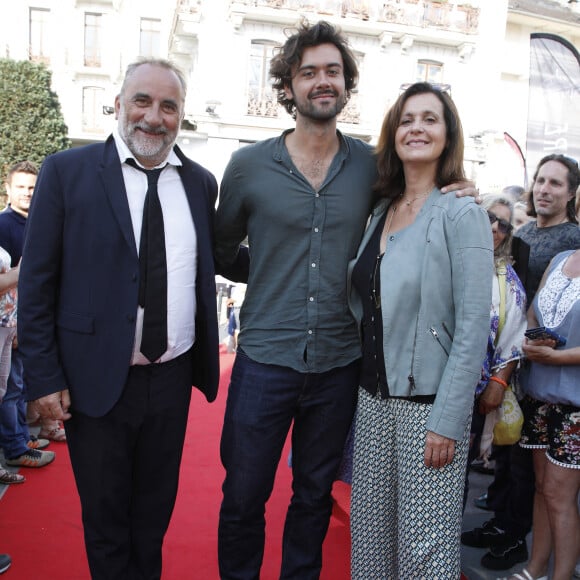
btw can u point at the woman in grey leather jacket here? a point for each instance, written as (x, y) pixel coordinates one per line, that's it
(421, 287)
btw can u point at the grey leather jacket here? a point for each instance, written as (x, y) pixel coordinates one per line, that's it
(434, 339)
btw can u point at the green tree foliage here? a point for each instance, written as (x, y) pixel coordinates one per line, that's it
(31, 121)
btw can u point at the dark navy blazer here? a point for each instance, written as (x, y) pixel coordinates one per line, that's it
(79, 279)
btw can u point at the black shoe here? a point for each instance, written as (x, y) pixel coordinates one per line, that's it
(504, 556)
(481, 502)
(5, 562)
(485, 537)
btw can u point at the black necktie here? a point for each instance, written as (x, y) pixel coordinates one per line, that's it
(152, 270)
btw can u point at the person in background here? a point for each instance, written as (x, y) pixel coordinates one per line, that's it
(21, 449)
(422, 283)
(297, 362)
(115, 326)
(507, 327)
(20, 189)
(232, 328)
(554, 229)
(8, 282)
(552, 421)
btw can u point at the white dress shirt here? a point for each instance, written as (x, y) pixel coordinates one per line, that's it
(180, 246)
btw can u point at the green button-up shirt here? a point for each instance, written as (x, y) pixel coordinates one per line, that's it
(295, 311)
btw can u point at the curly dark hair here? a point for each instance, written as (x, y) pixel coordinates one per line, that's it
(391, 181)
(289, 56)
(573, 184)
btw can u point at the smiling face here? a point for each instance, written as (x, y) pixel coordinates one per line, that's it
(318, 84)
(422, 133)
(550, 193)
(19, 190)
(150, 111)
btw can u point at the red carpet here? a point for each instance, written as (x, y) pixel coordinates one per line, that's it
(40, 525)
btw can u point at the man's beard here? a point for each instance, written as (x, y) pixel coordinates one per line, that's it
(149, 147)
(309, 109)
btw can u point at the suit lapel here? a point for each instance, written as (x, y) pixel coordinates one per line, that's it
(111, 176)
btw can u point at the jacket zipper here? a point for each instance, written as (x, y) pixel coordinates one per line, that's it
(411, 377)
(436, 337)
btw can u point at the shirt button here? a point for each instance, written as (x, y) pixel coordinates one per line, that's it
(316, 230)
(316, 195)
(391, 238)
(372, 318)
(311, 299)
(310, 332)
(314, 264)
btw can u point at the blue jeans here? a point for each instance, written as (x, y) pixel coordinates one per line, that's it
(14, 434)
(263, 401)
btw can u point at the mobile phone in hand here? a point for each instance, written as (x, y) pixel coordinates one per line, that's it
(542, 332)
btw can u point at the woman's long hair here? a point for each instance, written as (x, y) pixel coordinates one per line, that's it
(391, 180)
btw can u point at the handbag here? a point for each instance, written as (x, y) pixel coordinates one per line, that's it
(508, 428)
(509, 419)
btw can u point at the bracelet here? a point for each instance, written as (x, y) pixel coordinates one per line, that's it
(499, 381)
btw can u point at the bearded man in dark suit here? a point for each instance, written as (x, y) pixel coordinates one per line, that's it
(82, 317)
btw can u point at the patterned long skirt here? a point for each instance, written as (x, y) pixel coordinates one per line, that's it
(405, 517)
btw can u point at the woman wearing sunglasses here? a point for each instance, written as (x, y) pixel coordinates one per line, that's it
(507, 327)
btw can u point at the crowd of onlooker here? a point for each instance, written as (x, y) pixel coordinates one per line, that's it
(536, 480)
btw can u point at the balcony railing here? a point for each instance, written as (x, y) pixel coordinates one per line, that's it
(457, 16)
(351, 112)
(264, 104)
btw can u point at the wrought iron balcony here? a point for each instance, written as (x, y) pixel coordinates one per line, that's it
(456, 16)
